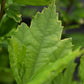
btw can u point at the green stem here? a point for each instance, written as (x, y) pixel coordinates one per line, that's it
(69, 6)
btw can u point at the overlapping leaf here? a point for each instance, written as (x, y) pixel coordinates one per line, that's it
(54, 68)
(78, 39)
(33, 2)
(13, 12)
(33, 49)
(6, 25)
(67, 76)
(81, 69)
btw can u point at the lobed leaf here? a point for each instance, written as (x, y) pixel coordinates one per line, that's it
(35, 51)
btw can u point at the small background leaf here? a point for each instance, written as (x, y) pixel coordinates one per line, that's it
(13, 12)
(6, 25)
(77, 39)
(33, 2)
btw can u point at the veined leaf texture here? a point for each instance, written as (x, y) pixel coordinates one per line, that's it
(38, 51)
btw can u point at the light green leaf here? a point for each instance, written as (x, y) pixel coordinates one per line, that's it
(77, 82)
(58, 79)
(34, 2)
(54, 68)
(33, 50)
(81, 69)
(68, 74)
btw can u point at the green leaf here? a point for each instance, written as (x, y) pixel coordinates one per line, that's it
(79, 12)
(72, 26)
(13, 12)
(68, 74)
(34, 50)
(78, 15)
(33, 2)
(28, 12)
(77, 40)
(58, 79)
(65, 16)
(6, 25)
(54, 68)
(77, 82)
(0, 1)
(45, 35)
(81, 69)
(6, 76)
